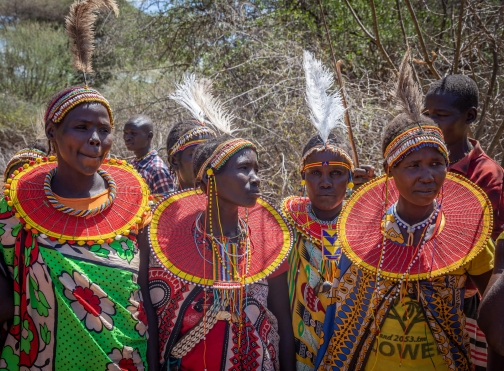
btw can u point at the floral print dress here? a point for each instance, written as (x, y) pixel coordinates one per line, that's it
(76, 307)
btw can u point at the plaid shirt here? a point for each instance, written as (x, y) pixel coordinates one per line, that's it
(155, 172)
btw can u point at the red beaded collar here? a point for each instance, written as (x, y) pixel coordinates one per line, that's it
(25, 193)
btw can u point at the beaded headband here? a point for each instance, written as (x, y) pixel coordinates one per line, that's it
(412, 140)
(326, 163)
(185, 140)
(224, 152)
(329, 148)
(22, 156)
(72, 97)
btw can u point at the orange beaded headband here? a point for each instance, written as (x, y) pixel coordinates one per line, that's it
(72, 97)
(330, 148)
(327, 163)
(222, 153)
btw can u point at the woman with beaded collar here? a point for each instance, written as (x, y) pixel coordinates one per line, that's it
(224, 249)
(409, 241)
(68, 241)
(327, 175)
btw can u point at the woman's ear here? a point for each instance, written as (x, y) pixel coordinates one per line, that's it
(173, 161)
(386, 169)
(49, 130)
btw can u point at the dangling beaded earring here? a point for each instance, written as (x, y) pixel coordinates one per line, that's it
(303, 186)
(350, 185)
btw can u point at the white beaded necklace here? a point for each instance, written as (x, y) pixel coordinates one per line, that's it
(410, 229)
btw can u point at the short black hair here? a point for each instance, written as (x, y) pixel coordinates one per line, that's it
(334, 140)
(461, 86)
(399, 125)
(205, 150)
(179, 129)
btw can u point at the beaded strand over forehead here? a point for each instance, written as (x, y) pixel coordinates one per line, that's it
(186, 141)
(329, 148)
(72, 97)
(224, 152)
(412, 140)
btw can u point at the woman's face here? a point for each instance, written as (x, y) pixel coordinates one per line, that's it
(83, 138)
(326, 185)
(182, 163)
(420, 176)
(238, 181)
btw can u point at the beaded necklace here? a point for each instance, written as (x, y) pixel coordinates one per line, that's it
(145, 156)
(310, 211)
(75, 212)
(410, 229)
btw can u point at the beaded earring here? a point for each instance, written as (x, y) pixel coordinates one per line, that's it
(350, 184)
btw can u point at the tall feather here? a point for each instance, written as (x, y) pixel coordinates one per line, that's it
(407, 92)
(79, 26)
(326, 109)
(196, 95)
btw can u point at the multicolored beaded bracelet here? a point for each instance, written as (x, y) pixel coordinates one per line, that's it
(83, 213)
(72, 97)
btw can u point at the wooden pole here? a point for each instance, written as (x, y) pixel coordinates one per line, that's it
(337, 66)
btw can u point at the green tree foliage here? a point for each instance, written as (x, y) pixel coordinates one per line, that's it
(34, 60)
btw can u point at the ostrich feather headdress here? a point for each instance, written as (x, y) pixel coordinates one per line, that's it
(196, 95)
(407, 93)
(409, 102)
(326, 109)
(79, 26)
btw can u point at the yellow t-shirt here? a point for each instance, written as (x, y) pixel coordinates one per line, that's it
(412, 338)
(501, 237)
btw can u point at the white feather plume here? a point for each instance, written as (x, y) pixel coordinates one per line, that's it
(326, 109)
(197, 96)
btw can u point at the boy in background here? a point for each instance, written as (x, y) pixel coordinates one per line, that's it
(452, 103)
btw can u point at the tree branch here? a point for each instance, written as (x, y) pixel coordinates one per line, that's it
(459, 37)
(427, 60)
(496, 139)
(377, 35)
(495, 70)
(376, 38)
(356, 17)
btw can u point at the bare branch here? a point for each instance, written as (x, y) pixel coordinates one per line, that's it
(459, 37)
(364, 29)
(427, 60)
(496, 139)
(495, 70)
(377, 36)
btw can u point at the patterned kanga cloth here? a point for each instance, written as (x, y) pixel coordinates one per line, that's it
(76, 307)
(180, 306)
(308, 308)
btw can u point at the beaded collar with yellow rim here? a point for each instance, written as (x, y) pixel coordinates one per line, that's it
(172, 239)
(468, 220)
(25, 193)
(296, 210)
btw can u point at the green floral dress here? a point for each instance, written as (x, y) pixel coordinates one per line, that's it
(76, 307)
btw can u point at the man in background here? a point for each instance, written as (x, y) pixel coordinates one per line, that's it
(137, 134)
